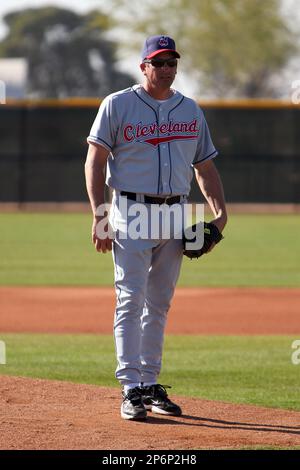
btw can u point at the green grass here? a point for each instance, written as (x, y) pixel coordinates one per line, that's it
(55, 249)
(51, 249)
(247, 369)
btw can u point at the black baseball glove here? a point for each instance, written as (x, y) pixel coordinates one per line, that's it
(211, 235)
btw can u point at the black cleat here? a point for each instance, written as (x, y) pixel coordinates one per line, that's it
(155, 398)
(132, 406)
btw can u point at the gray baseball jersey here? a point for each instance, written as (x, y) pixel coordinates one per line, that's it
(152, 144)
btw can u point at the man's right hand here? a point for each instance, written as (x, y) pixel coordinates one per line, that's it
(102, 236)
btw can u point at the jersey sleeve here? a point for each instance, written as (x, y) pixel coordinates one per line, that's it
(102, 131)
(205, 148)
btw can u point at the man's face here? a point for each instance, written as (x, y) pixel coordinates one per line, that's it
(160, 77)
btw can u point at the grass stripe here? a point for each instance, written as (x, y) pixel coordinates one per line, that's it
(248, 369)
(55, 249)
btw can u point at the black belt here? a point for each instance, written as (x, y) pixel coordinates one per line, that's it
(152, 199)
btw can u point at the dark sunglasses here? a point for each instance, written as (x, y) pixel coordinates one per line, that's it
(158, 63)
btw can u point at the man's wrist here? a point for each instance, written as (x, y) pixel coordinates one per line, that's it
(220, 221)
(95, 210)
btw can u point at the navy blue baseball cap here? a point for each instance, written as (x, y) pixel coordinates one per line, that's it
(156, 44)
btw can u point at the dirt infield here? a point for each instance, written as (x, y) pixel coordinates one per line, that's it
(40, 414)
(193, 311)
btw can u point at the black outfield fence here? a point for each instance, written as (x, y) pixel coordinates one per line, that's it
(43, 149)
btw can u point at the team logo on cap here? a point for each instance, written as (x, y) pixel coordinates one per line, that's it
(163, 42)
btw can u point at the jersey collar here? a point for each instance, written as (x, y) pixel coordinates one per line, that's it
(172, 101)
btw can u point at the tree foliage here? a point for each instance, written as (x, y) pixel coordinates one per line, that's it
(68, 54)
(234, 47)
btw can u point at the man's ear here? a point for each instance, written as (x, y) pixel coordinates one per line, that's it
(143, 69)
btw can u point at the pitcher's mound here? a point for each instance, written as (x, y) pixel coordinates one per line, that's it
(43, 414)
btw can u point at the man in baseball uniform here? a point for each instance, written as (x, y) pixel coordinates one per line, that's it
(149, 138)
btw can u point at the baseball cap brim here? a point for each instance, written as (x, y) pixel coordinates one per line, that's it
(155, 53)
